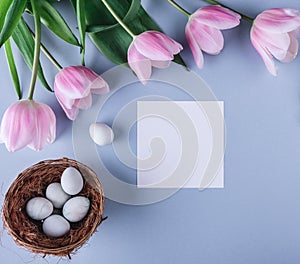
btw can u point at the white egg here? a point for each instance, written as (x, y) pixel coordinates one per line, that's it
(76, 208)
(71, 181)
(56, 195)
(39, 208)
(101, 134)
(56, 226)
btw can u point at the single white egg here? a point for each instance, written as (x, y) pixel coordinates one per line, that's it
(39, 208)
(56, 226)
(101, 134)
(76, 208)
(56, 195)
(71, 181)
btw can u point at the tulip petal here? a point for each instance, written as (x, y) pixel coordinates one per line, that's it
(169, 44)
(84, 103)
(73, 87)
(194, 46)
(20, 129)
(17, 126)
(27, 123)
(160, 64)
(278, 20)
(263, 52)
(284, 47)
(277, 44)
(52, 130)
(75, 81)
(292, 51)
(209, 39)
(64, 101)
(139, 64)
(70, 112)
(152, 47)
(70, 81)
(87, 73)
(41, 132)
(217, 17)
(279, 54)
(281, 41)
(45, 126)
(274, 32)
(99, 86)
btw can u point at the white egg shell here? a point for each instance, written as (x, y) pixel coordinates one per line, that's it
(76, 208)
(56, 195)
(71, 181)
(39, 208)
(101, 134)
(56, 226)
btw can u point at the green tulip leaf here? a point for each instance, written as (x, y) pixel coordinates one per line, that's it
(12, 68)
(108, 36)
(25, 42)
(53, 20)
(5, 4)
(132, 12)
(12, 17)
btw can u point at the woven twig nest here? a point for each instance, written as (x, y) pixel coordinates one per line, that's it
(32, 183)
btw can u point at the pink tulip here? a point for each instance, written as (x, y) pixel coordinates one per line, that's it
(27, 123)
(74, 86)
(151, 48)
(274, 33)
(203, 30)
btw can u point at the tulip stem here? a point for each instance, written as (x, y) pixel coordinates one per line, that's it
(180, 8)
(213, 2)
(50, 57)
(114, 14)
(37, 43)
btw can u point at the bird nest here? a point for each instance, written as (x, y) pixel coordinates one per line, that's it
(33, 183)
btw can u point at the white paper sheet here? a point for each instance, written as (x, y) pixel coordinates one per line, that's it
(175, 141)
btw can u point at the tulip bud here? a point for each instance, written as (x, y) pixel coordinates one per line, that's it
(151, 48)
(27, 123)
(74, 86)
(203, 30)
(274, 34)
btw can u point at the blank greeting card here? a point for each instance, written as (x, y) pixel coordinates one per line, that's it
(180, 144)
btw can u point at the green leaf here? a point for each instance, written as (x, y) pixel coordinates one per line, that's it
(111, 39)
(53, 20)
(132, 11)
(5, 4)
(12, 68)
(24, 41)
(80, 12)
(12, 17)
(97, 28)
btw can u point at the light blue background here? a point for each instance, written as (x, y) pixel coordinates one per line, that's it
(254, 219)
